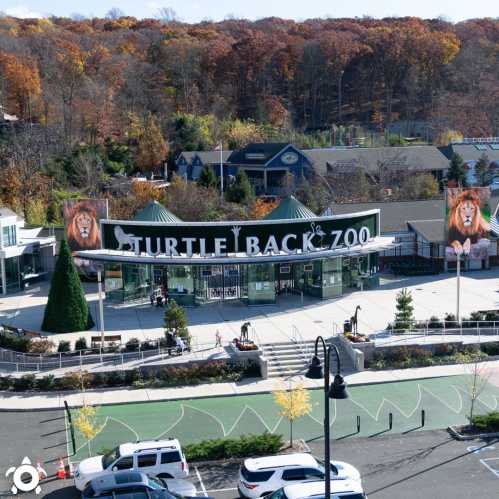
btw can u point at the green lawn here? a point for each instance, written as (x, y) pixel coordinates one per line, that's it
(444, 400)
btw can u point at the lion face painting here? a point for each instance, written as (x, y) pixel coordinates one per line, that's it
(82, 227)
(466, 225)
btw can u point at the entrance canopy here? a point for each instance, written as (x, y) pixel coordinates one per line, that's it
(201, 243)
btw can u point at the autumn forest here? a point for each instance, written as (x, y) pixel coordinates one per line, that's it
(131, 92)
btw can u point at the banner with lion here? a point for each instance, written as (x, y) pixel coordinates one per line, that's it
(81, 218)
(467, 222)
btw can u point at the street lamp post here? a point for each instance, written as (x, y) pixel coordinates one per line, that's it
(336, 391)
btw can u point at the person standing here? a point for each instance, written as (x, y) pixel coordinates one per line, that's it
(218, 339)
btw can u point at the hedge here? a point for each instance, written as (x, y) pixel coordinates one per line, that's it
(224, 448)
(210, 372)
(487, 422)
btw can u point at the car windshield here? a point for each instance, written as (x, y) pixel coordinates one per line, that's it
(110, 457)
(255, 476)
(155, 483)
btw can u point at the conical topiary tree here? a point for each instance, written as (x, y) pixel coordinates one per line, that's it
(404, 316)
(67, 310)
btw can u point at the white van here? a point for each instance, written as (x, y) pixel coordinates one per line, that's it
(162, 458)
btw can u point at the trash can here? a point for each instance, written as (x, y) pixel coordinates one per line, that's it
(347, 326)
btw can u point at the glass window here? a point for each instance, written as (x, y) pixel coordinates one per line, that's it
(12, 274)
(110, 457)
(255, 476)
(170, 457)
(302, 474)
(146, 460)
(9, 236)
(125, 463)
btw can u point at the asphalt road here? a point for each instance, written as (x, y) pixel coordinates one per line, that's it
(427, 464)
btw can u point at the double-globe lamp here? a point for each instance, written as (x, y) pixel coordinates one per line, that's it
(337, 390)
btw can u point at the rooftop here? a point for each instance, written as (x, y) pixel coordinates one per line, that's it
(257, 153)
(156, 212)
(290, 208)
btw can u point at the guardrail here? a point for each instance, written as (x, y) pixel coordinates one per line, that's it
(481, 329)
(24, 362)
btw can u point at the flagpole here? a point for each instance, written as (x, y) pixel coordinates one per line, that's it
(221, 171)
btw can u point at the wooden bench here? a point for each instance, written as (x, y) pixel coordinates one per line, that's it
(110, 339)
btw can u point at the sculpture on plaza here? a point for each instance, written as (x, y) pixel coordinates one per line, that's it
(244, 332)
(353, 320)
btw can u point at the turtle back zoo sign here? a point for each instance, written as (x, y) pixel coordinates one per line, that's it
(245, 239)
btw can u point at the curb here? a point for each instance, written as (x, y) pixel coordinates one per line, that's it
(62, 395)
(459, 436)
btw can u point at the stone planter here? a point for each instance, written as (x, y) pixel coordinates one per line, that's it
(244, 354)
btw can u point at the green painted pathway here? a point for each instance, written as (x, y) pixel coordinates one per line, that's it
(444, 400)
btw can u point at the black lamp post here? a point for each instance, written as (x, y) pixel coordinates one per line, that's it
(336, 391)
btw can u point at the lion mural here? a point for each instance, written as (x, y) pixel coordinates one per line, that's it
(467, 228)
(82, 227)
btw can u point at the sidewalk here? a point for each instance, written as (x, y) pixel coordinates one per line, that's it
(23, 402)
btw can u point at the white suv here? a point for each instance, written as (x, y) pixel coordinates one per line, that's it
(340, 489)
(162, 458)
(261, 476)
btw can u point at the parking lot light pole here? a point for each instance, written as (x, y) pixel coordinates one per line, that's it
(336, 391)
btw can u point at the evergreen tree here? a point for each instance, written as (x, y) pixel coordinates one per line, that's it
(457, 170)
(207, 177)
(66, 310)
(404, 316)
(482, 170)
(175, 321)
(240, 191)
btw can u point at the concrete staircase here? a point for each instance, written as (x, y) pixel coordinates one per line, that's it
(292, 358)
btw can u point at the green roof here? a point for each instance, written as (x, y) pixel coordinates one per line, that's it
(289, 208)
(155, 212)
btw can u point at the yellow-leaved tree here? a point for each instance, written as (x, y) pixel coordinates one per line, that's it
(86, 423)
(294, 403)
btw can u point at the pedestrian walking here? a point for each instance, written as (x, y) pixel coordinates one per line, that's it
(218, 339)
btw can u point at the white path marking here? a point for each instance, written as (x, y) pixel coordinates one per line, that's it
(126, 426)
(222, 490)
(201, 481)
(182, 412)
(490, 468)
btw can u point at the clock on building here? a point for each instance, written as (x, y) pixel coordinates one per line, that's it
(289, 158)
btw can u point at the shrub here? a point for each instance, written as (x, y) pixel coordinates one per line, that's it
(98, 380)
(81, 343)
(74, 380)
(115, 378)
(132, 345)
(434, 323)
(6, 383)
(131, 377)
(25, 382)
(450, 321)
(398, 354)
(487, 422)
(45, 383)
(19, 344)
(64, 346)
(112, 348)
(224, 448)
(41, 346)
(445, 349)
(491, 348)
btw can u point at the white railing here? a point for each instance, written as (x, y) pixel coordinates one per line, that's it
(11, 361)
(297, 338)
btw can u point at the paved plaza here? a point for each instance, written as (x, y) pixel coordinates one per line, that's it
(433, 295)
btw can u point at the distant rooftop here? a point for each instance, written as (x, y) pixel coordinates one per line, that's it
(155, 212)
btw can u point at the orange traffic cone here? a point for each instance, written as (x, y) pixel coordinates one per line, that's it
(61, 471)
(42, 474)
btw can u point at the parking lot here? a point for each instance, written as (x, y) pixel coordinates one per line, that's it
(426, 464)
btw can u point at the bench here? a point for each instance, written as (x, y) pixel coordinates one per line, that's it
(110, 339)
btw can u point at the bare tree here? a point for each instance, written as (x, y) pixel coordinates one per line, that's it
(167, 15)
(115, 13)
(475, 384)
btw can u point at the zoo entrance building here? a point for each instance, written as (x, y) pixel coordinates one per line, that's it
(290, 251)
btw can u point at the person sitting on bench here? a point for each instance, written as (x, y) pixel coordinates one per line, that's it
(180, 344)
